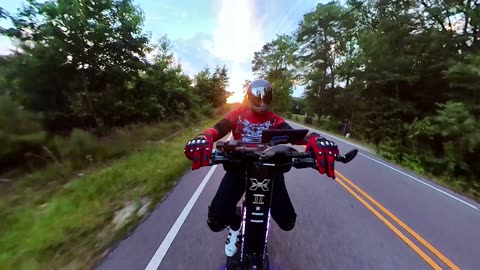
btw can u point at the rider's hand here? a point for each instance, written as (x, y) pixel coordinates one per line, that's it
(199, 150)
(325, 152)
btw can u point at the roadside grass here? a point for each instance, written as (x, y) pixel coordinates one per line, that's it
(457, 185)
(80, 153)
(66, 223)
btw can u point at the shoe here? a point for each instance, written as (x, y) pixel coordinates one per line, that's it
(232, 243)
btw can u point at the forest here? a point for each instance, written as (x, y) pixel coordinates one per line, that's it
(94, 114)
(405, 73)
(86, 68)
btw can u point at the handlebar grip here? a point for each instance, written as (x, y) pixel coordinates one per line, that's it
(347, 157)
(301, 163)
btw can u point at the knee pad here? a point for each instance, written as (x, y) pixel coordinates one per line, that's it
(288, 225)
(214, 221)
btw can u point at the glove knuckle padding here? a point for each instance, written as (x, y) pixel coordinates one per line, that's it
(198, 150)
(325, 153)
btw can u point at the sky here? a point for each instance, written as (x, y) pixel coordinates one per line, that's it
(212, 32)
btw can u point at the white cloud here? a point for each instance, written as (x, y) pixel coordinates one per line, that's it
(193, 54)
(237, 36)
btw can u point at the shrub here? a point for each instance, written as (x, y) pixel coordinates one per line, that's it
(21, 134)
(308, 120)
(78, 149)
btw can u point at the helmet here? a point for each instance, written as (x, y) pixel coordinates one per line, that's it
(259, 95)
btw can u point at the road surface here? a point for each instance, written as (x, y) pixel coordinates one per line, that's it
(375, 216)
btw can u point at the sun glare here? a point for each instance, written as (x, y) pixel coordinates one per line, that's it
(236, 97)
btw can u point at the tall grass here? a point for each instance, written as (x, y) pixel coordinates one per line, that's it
(69, 224)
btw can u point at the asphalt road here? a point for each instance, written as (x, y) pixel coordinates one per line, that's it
(375, 216)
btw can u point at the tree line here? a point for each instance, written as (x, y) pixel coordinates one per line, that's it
(405, 73)
(90, 65)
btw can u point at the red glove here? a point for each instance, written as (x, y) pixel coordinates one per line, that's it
(199, 150)
(325, 153)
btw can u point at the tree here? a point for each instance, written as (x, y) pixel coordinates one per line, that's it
(320, 37)
(384, 65)
(276, 63)
(162, 92)
(212, 87)
(219, 93)
(78, 52)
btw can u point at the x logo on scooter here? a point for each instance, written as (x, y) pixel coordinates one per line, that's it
(262, 185)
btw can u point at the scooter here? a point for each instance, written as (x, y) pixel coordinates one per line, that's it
(261, 162)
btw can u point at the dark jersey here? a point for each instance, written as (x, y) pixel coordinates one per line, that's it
(246, 125)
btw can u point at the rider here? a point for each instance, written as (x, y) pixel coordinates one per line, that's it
(246, 124)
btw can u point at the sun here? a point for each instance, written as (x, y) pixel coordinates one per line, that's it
(236, 97)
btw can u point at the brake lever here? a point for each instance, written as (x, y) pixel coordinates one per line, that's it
(348, 156)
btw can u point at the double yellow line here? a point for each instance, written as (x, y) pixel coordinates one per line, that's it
(343, 180)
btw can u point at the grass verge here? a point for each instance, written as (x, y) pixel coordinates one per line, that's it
(456, 185)
(69, 225)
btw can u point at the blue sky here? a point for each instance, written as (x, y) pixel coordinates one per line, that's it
(211, 32)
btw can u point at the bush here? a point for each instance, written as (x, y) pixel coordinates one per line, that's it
(449, 141)
(308, 120)
(78, 149)
(21, 134)
(390, 150)
(329, 123)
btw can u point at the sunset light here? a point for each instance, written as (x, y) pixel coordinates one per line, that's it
(236, 97)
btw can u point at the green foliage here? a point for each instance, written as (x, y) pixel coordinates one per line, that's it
(383, 65)
(85, 65)
(20, 133)
(329, 123)
(276, 63)
(211, 87)
(76, 57)
(453, 136)
(308, 120)
(78, 149)
(71, 226)
(297, 106)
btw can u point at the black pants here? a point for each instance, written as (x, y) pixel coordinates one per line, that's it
(221, 212)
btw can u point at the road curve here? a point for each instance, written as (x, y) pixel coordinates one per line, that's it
(374, 216)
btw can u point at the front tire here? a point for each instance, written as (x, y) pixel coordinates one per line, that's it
(233, 263)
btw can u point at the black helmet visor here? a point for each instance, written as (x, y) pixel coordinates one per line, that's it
(258, 94)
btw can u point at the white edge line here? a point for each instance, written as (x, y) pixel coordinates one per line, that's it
(420, 181)
(388, 166)
(157, 258)
(163, 248)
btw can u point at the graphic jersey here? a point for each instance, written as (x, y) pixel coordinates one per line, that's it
(247, 126)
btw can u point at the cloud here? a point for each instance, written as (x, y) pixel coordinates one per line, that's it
(194, 55)
(237, 35)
